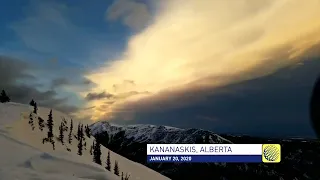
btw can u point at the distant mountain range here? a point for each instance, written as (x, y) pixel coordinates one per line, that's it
(300, 157)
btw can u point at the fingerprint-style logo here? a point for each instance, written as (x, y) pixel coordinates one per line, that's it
(271, 153)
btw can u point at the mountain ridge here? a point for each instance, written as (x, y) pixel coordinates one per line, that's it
(299, 156)
(157, 134)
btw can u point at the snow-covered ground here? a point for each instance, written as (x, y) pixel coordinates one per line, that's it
(24, 157)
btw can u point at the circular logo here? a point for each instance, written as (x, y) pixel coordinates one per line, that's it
(271, 153)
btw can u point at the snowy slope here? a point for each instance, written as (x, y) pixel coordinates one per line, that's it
(23, 156)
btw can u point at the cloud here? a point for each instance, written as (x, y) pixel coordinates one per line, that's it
(77, 83)
(18, 80)
(260, 107)
(87, 82)
(12, 69)
(53, 32)
(97, 96)
(132, 13)
(89, 108)
(44, 27)
(207, 45)
(124, 86)
(59, 82)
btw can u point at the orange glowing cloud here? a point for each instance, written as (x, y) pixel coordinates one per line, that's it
(191, 40)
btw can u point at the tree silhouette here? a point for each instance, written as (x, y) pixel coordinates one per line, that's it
(50, 125)
(61, 135)
(49, 137)
(31, 121)
(32, 102)
(64, 124)
(35, 108)
(80, 147)
(97, 153)
(108, 162)
(116, 168)
(78, 132)
(41, 123)
(82, 133)
(4, 97)
(91, 148)
(87, 130)
(70, 132)
(80, 140)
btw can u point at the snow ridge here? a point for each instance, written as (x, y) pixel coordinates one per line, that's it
(24, 156)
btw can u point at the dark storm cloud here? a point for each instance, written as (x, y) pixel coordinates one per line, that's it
(11, 69)
(274, 105)
(97, 96)
(17, 80)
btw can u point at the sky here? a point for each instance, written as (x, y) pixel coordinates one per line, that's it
(242, 67)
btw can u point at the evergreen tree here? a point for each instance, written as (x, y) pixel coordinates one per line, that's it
(78, 132)
(32, 102)
(41, 123)
(35, 108)
(92, 148)
(31, 121)
(87, 130)
(4, 97)
(70, 133)
(50, 125)
(116, 168)
(64, 124)
(97, 153)
(61, 135)
(80, 139)
(82, 133)
(80, 147)
(108, 163)
(49, 137)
